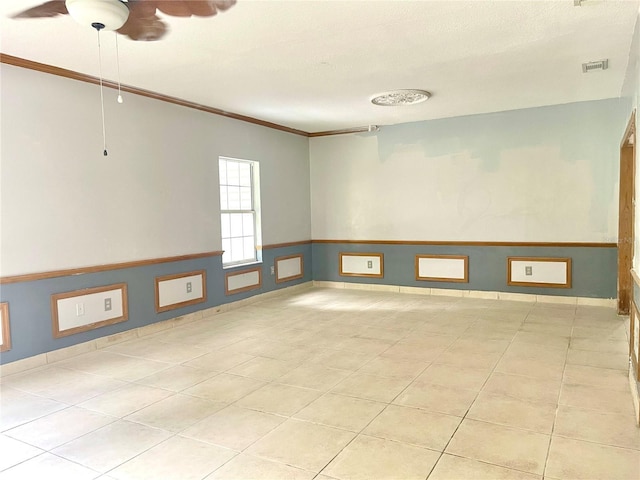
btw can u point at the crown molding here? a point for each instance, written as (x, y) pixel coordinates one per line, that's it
(62, 72)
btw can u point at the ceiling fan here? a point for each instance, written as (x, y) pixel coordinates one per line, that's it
(136, 19)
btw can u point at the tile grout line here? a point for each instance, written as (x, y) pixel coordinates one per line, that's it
(555, 417)
(476, 397)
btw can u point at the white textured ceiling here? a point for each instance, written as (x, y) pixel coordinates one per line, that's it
(314, 65)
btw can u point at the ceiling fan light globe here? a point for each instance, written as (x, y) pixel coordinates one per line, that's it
(111, 13)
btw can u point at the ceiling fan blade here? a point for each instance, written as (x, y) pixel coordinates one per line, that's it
(47, 9)
(148, 29)
(143, 23)
(198, 8)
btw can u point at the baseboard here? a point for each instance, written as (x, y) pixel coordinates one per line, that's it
(454, 292)
(44, 359)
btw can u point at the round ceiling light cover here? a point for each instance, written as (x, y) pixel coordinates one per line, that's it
(397, 98)
(110, 13)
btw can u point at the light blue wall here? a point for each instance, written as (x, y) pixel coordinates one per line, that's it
(547, 174)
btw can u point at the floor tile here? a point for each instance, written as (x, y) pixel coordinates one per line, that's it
(15, 452)
(542, 339)
(599, 345)
(371, 387)
(367, 458)
(151, 349)
(48, 466)
(279, 399)
(540, 353)
(618, 361)
(530, 368)
(341, 411)
(176, 413)
(219, 361)
(109, 446)
(234, 427)
(428, 340)
(20, 407)
(450, 467)
(506, 447)
(394, 367)
(263, 368)
(606, 428)
(177, 378)
(573, 459)
(513, 412)
(547, 329)
(413, 352)
(597, 377)
(125, 400)
(63, 385)
(480, 360)
(490, 332)
(60, 427)
(455, 376)
(340, 359)
(479, 345)
(525, 388)
(437, 398)
(411, 425)
(177, 458)
(224, 388)
(246, 467)
(315, 376)
(302, 444)
(615, 331)
(114, 365)
(596, 398)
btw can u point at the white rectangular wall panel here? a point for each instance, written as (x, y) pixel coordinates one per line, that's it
(87, 309)
(288, 268)
(539, 272)
(443, 268)
(243, 281)
(180, 290)
(362, 265)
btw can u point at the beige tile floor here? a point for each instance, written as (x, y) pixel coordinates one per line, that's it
(338, 384)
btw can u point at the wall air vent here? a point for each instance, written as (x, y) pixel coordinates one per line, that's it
(594, 66)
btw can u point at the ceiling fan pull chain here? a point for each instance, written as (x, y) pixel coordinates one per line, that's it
(118, 64)
(98, 27)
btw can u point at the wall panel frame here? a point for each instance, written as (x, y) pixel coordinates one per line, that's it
(5, 326)
(557, 276)
(442, 268)
(56, 298)
(286, 267)
(179, 280)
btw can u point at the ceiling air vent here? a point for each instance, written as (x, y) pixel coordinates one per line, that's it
(594, 66)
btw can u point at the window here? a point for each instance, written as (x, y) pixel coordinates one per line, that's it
(239, 210)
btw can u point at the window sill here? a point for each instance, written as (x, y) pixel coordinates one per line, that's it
(239, 265)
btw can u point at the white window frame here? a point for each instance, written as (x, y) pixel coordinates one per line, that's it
(254, 210)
